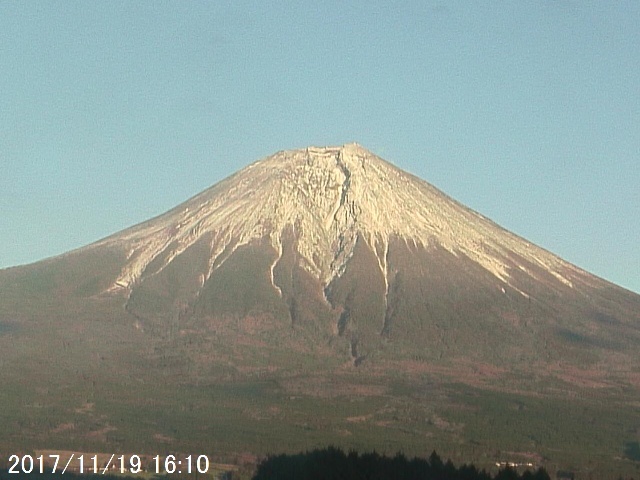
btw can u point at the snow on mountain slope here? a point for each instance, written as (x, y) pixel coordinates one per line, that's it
(330, 196)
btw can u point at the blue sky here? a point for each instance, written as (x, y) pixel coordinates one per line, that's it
(528, 111)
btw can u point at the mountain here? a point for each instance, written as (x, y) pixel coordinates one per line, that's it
(320, 294)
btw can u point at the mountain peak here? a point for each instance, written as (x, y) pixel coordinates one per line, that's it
(330, 198)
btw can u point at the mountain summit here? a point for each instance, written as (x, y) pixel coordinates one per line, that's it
(326, 273)
(327, 199)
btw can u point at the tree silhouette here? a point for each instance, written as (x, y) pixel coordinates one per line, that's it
(333, 464)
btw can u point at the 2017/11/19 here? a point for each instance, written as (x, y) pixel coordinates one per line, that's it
(44, 464)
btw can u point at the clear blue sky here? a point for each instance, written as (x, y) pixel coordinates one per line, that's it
(527, 111)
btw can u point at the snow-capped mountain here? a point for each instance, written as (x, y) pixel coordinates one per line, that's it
(329, 197)
(316, 273)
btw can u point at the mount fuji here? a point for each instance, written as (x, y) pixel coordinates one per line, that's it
(328, 292)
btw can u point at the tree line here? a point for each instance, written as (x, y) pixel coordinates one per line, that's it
(333, 464)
